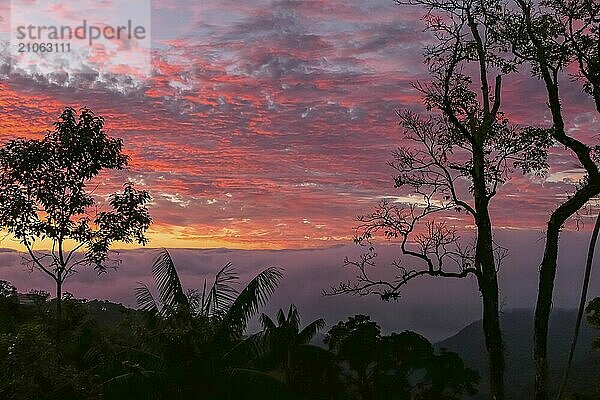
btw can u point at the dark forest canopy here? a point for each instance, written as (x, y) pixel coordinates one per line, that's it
(194, 345)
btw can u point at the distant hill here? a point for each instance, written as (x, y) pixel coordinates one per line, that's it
(108, 314)
(105, 313)
(517, 326)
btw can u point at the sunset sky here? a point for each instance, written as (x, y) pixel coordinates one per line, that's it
(269, 124)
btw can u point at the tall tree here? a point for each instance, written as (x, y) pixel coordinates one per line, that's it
(44, 197)
(455, 160)
(558, 38)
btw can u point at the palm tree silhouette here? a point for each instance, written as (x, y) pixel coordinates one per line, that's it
(201, 333)
(284, 339)
(222, 302)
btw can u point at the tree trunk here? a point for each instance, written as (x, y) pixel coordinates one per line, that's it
(488, 277)
(488, 286)
(582, 301)
(542, 313)
(494, 345)
(546, 282)
(59, 301)
(58, 311)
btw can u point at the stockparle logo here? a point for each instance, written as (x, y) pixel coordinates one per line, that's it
(84, 37)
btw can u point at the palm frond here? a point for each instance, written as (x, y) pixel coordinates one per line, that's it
(293, 318)
(281, 320)
(250, 348)
(150, 359)
(249, 300)
(267, 323)
(169, 286)
(309, 332)
(222, 294)
(194, 299)
(203, 310)
(145, 300)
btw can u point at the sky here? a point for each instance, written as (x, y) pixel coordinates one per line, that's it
(266, 124)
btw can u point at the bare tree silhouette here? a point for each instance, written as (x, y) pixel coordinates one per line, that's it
(455, 161)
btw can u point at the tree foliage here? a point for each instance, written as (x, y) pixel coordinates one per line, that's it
(593, 317)
(45, 196)
(396, 366)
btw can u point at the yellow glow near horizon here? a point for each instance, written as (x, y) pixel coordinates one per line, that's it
(177, 237)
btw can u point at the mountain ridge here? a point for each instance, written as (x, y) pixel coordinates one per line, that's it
(517, 326)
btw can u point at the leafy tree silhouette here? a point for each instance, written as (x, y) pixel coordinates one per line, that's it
(8, 306)
(396, 366)
(7, 289)
(44, 196)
